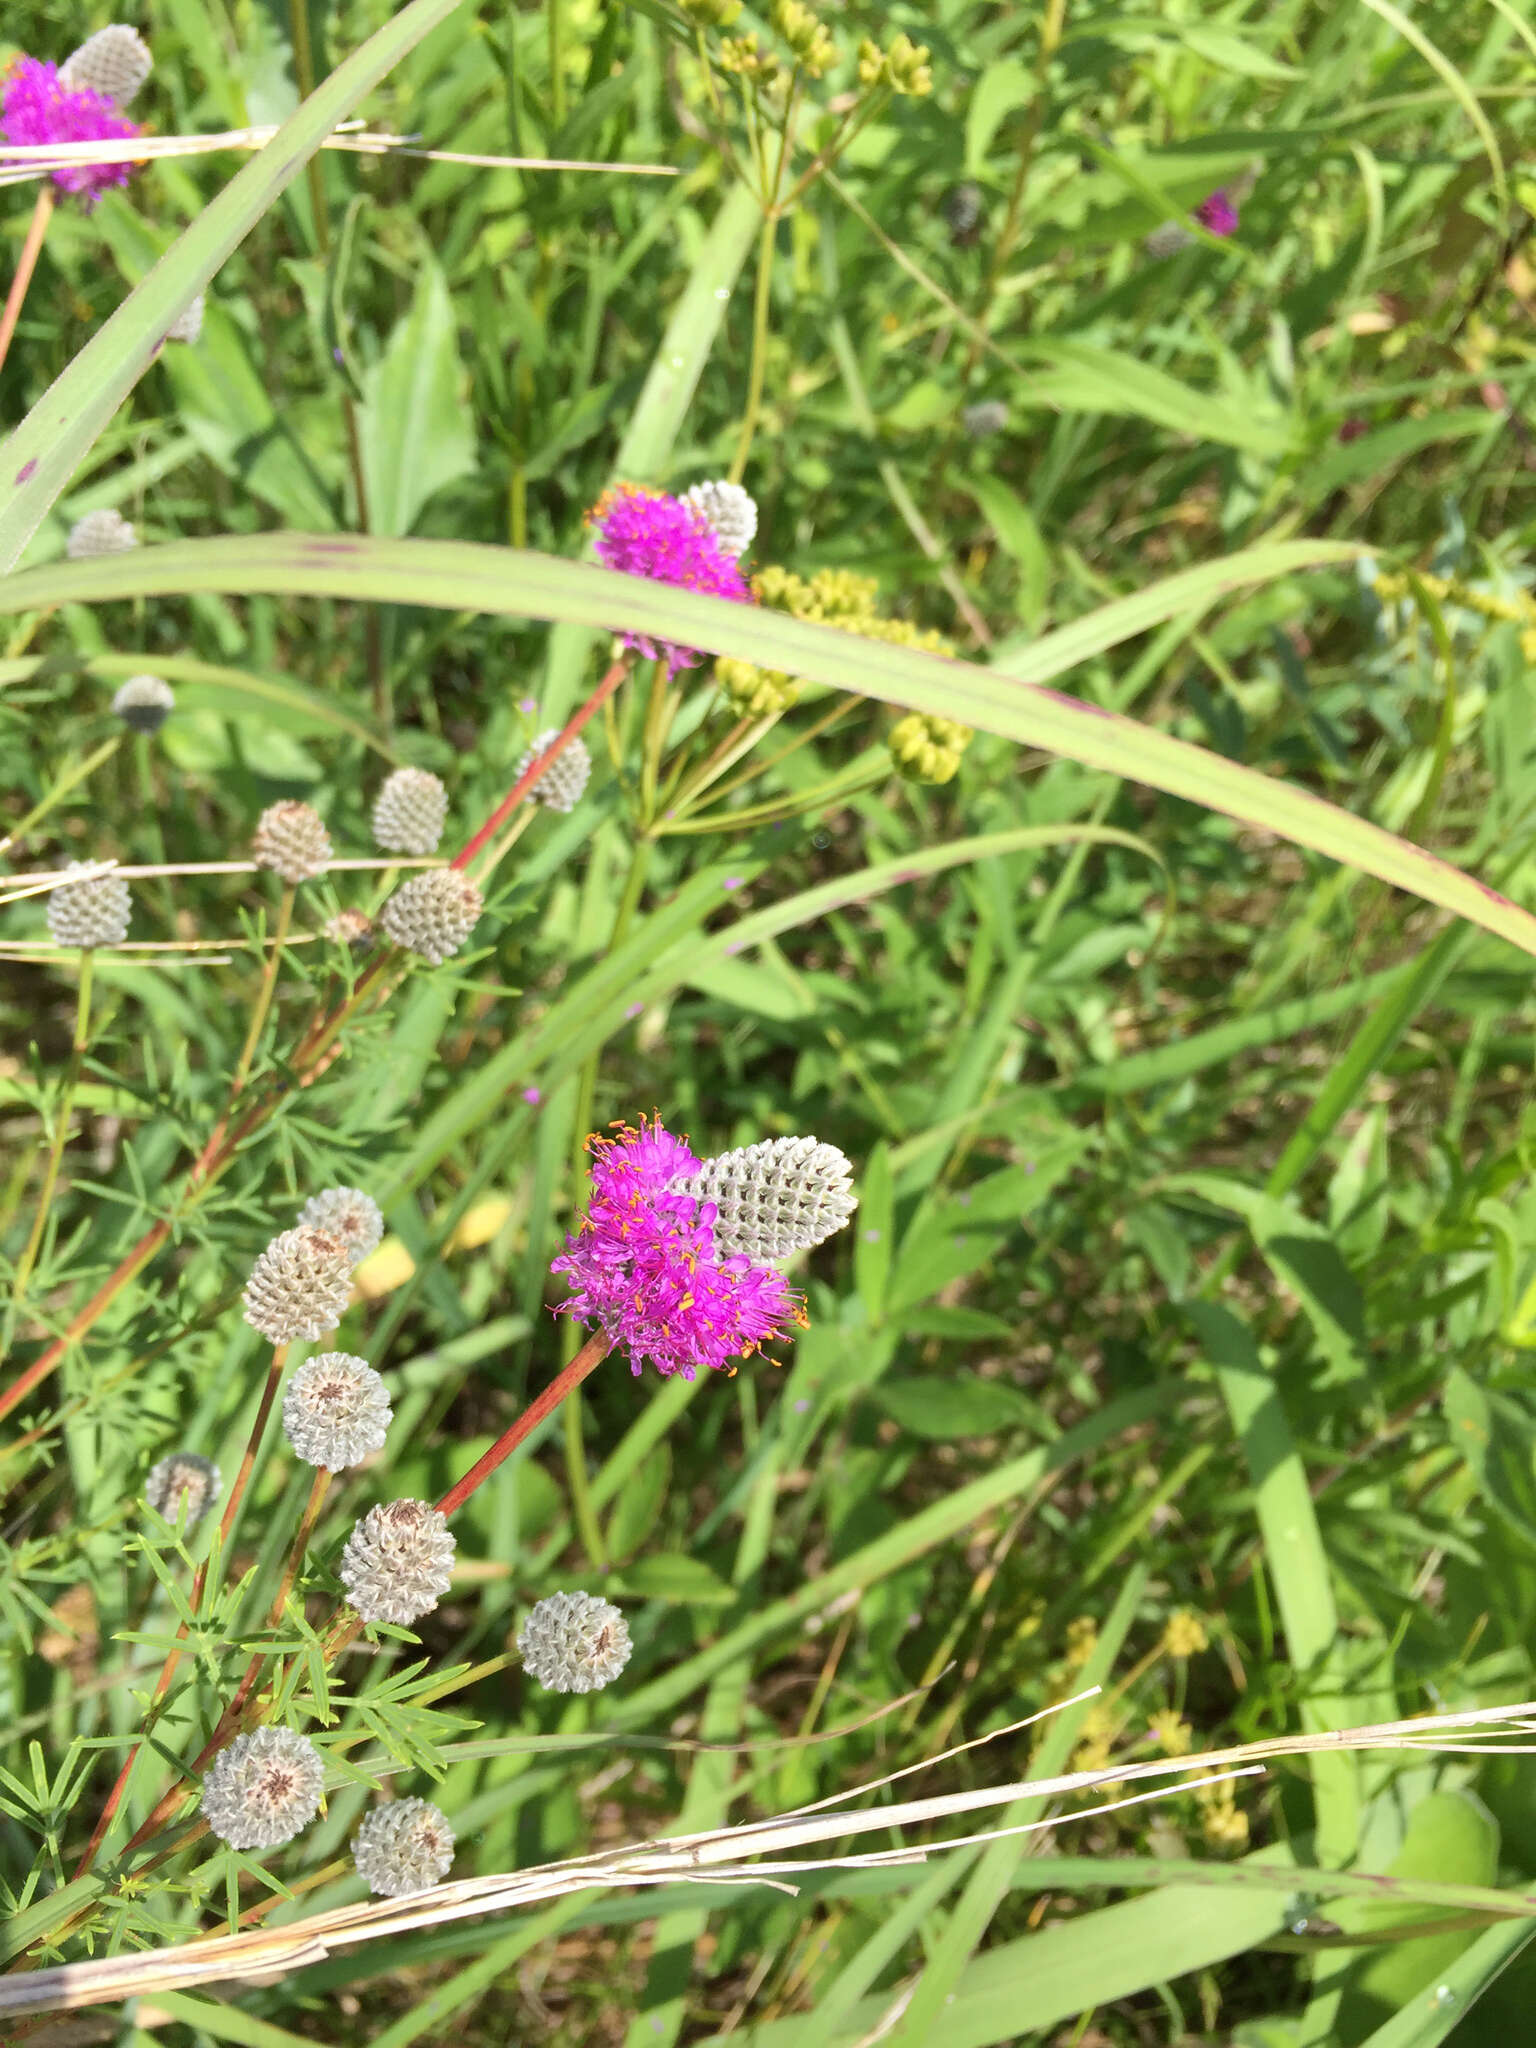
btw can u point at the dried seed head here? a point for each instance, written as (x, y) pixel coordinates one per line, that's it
(299, 1287)
(114, 62)
(433, 913)
(336, 1411)
(990, 416)
(560, 786)
(188, 324)
(352, 928)
(350, 1216)
(781, 1196)
(90, 913)
(574, 1642)
(398, 1562)
(100, 533)
(144, 702)
(291, 839)
(409, 811)
(728, 510)
(184, 1484)
(404, 1847)
(263, 1788)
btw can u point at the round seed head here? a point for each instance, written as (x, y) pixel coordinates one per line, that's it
(114, 62)
(398, 1562)
(353, 929)
(433, 913)
(183, 1484)
(574, 1642)
(409, 811)
(728, 510)
(336, 1411)
(144, 702)
(560, 786)
(299, 1287)
(781, 1196)
(404, 1847)
(100, 533)
(291, 839)
(263, 1788)
(188, 324)
(989, 417)
(350, 1216)
(90, 913)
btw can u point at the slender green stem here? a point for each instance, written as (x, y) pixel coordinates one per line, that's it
(61, 789)
(267, 989)
(756, 374)
(556, 60)
(62, 1118)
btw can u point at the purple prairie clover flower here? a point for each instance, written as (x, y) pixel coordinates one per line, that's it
(645, 1267)
(647, 533)
(35, 107)
(1218, 214)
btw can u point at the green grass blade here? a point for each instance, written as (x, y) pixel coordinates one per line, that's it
(1429, 2018)
(1455, 84)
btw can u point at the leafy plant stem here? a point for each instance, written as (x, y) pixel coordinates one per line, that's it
(26, 263)
(587, 1359)
(66, 782)
(618, 668)
(271, 965)
(60, 1135)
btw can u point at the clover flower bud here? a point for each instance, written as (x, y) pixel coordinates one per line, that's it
(409, 811)
(353, 929)
(183, 1484)
(990, 416)
(94, 912)
(188, 324)
(354, 1219)
(292, 841)
(263, 1788)
(299, 1287)
(574, 1642)
(39, 108)
(728, 510)
(100, 533)
(404, 1847)
(560, 786)
(144, 702)
(926, 748)
(433, 913)
(780, 1196)
(114, 62)
(962, 212)
(336, 1411)
(398, 1562)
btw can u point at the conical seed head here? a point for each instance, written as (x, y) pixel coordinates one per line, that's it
(263, 1788)
(183, 1484)
(94, 912)
(350, 1216)
(774, 1198)
(114, 62)
(404, 1847)
(100, 533)
(433, 913)
(560, 786)
(299, 1287)
(398, 1562)
(144, 702)
(574, 1642)
(409, 812)
(728, 510)
(292, 841)
(336, 1411)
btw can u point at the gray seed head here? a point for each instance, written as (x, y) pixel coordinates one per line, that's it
(183, 1484)
(404, 1847)
(962, 211)
(560, 787)
(729, 510)
(336, 1411)
(433, 913)
(350, 1216)
(781, 1196)
(89, 913)
(100, 533)
(398, 1562)
(144, 702)
(291, 839)
(263, 1788)
(574, 1642)
(989, 417)
(114, 62)
(1167, 239)
(409, 812)
(188, 324)
(299, 1287)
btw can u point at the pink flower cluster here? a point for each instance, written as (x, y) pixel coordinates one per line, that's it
(1218, 214)
(647, 533)
(645, 1269)
(36, 108)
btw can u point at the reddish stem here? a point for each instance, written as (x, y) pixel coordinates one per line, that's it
(591, 1354)
(617, 671)
(26, 263)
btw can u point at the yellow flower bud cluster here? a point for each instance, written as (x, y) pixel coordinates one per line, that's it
(1223, 1823)
(755, 692)
(1518, 608)
(814, 50)
(1184, 1634)
(711, 13)
(743, 59)
(904, 67)
(928, 749)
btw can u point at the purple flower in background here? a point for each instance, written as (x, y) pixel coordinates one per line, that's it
(1218, 214)
(36, 108)
(645, 1266)
(646, 533)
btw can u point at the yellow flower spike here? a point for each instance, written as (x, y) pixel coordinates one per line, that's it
(1185, 1634)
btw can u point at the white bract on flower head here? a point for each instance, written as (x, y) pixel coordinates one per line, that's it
(404, 1847)
(560, 786)
(398, 1562)
(299, 1287)
(729, 510)
(182, 1485)
(144, 702)
(574, 1642)
(100, 533)
(336, 1411)
(114, 62)
(263, 1788)
(94, 912)
(433, 913)
(409, 812)
(291, 839)
(774, 1198)
(348, 1215)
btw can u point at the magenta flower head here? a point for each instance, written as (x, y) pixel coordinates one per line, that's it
(36, 107)
(1218, 214)
(646, 1268)
(646, 533)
